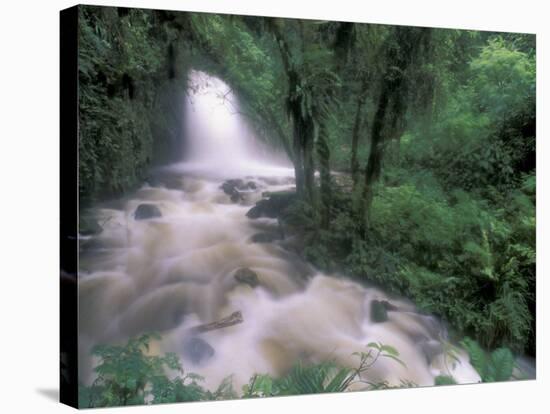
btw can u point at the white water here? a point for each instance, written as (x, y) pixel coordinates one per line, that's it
(171, 273)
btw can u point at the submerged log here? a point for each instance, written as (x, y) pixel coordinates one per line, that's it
(233, 319)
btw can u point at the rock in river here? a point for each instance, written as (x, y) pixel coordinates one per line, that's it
(234, 187)
(147, 211)
(273, 206)
(379, 310)
(197, 350)
(247, 276)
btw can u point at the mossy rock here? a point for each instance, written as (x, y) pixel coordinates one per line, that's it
(234, 187)
(247, 277)
(379, 310)
(147, 211)
(273, 206)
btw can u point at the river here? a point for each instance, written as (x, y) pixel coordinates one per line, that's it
(173, 272)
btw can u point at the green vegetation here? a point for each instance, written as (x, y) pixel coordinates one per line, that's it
(495, 366)
(124, 65)
(447, 214)
(128, 375)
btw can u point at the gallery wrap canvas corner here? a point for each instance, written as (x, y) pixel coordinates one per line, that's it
(255, 207)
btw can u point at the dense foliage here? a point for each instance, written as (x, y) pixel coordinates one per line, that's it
(450, 220)
(496, 366)
(125, 63)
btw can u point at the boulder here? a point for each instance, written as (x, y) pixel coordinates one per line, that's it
(197, 350)
(231, 188)
(234, 187)
(273, 206)
(379, 310)
(147, 211)
(247, 277)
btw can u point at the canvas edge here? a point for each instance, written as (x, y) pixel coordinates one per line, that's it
(68, 110)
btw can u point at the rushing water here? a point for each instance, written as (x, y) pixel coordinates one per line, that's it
(174, 272)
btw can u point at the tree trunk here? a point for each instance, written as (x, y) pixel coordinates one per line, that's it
(323, 152)
(301, 126)
(393, 102)
(355, 133)
(374, 163)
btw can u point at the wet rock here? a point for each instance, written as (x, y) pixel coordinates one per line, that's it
(88, 226)
(234, 187)
(231, 188)
(178, 316)
(379, 310)
(273, 206)
(247, 277)
(197, 350)
(147, 211)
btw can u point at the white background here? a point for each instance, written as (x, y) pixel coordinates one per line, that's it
(29, 204)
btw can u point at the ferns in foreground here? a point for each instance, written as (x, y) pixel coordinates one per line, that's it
(491, 367)
(127, 375)
(325, 377)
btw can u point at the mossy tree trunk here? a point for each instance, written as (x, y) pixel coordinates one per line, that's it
(357, 124)
(303, 124)
(389, 119)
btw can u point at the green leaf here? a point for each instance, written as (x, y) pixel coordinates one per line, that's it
(502, 364)
(389, 350)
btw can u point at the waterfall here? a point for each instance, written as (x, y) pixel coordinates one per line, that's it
(219, 136)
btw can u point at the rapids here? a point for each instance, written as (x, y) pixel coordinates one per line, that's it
(171, 273)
